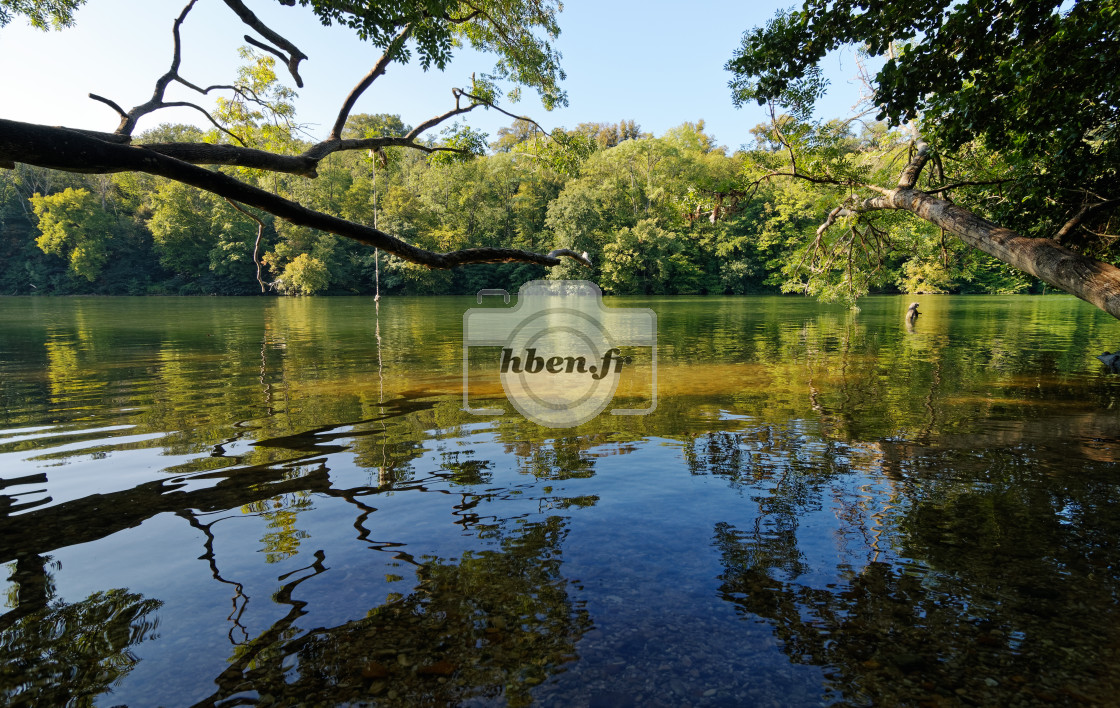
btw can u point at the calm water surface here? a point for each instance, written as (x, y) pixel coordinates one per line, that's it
(230, 502)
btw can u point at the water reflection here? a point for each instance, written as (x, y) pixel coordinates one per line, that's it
(493, 623)
(60, 653)
(982, 586)
(826, 507)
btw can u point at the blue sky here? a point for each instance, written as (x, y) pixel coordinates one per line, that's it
(657, 62)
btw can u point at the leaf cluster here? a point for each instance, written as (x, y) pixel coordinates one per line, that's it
(1029, 85)
(518, 32)
(42, 14)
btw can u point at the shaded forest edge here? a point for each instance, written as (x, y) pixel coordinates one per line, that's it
(657, 215)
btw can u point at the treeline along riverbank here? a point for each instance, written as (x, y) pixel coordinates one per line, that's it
(657, 215)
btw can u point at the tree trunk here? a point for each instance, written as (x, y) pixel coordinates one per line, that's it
(1095, 282)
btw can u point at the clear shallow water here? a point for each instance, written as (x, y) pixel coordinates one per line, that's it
(222, 502)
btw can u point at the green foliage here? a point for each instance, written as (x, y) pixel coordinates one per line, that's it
(650, 260)
(305, 275)
(71, 653)
(656, 215)
(76, 228)
(520, 132)
(518, 32)
(462, 143)
(180, 226)
(365, 125)
(42, 14)
(1033, 83)
(561, 152)
(261, 113)
(607, 135)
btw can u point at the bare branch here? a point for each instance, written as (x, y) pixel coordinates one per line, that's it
(111, 104)
(257, 243)
(208, 89)
(910, 173)
(128, 121)
(203, 111)
(247, 93)
(832, 217)
(266, 47)
(484, 102)
(378, 69)
(1077, 218)
(335, 143)
(432, 122)
(1100, 234)
(295, 56)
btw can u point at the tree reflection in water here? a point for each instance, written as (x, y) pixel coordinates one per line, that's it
(57, 653)
(1013, 598)
(492, 623)
(895, 508)
(495, 623)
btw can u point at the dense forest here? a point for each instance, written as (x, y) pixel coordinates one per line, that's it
(669, 214)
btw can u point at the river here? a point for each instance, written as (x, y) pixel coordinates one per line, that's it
(273, 501)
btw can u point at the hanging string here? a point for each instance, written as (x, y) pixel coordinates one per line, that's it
(382, 472)
(377, 286)
(377, 321)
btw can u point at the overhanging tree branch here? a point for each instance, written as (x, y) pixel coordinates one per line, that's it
(378, 69)
(1093, 281)
(68, 150)
(128, 121)
(294, 56)
(305, 164)
(505, 29)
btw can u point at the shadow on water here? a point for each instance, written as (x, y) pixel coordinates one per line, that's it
(822, 509)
